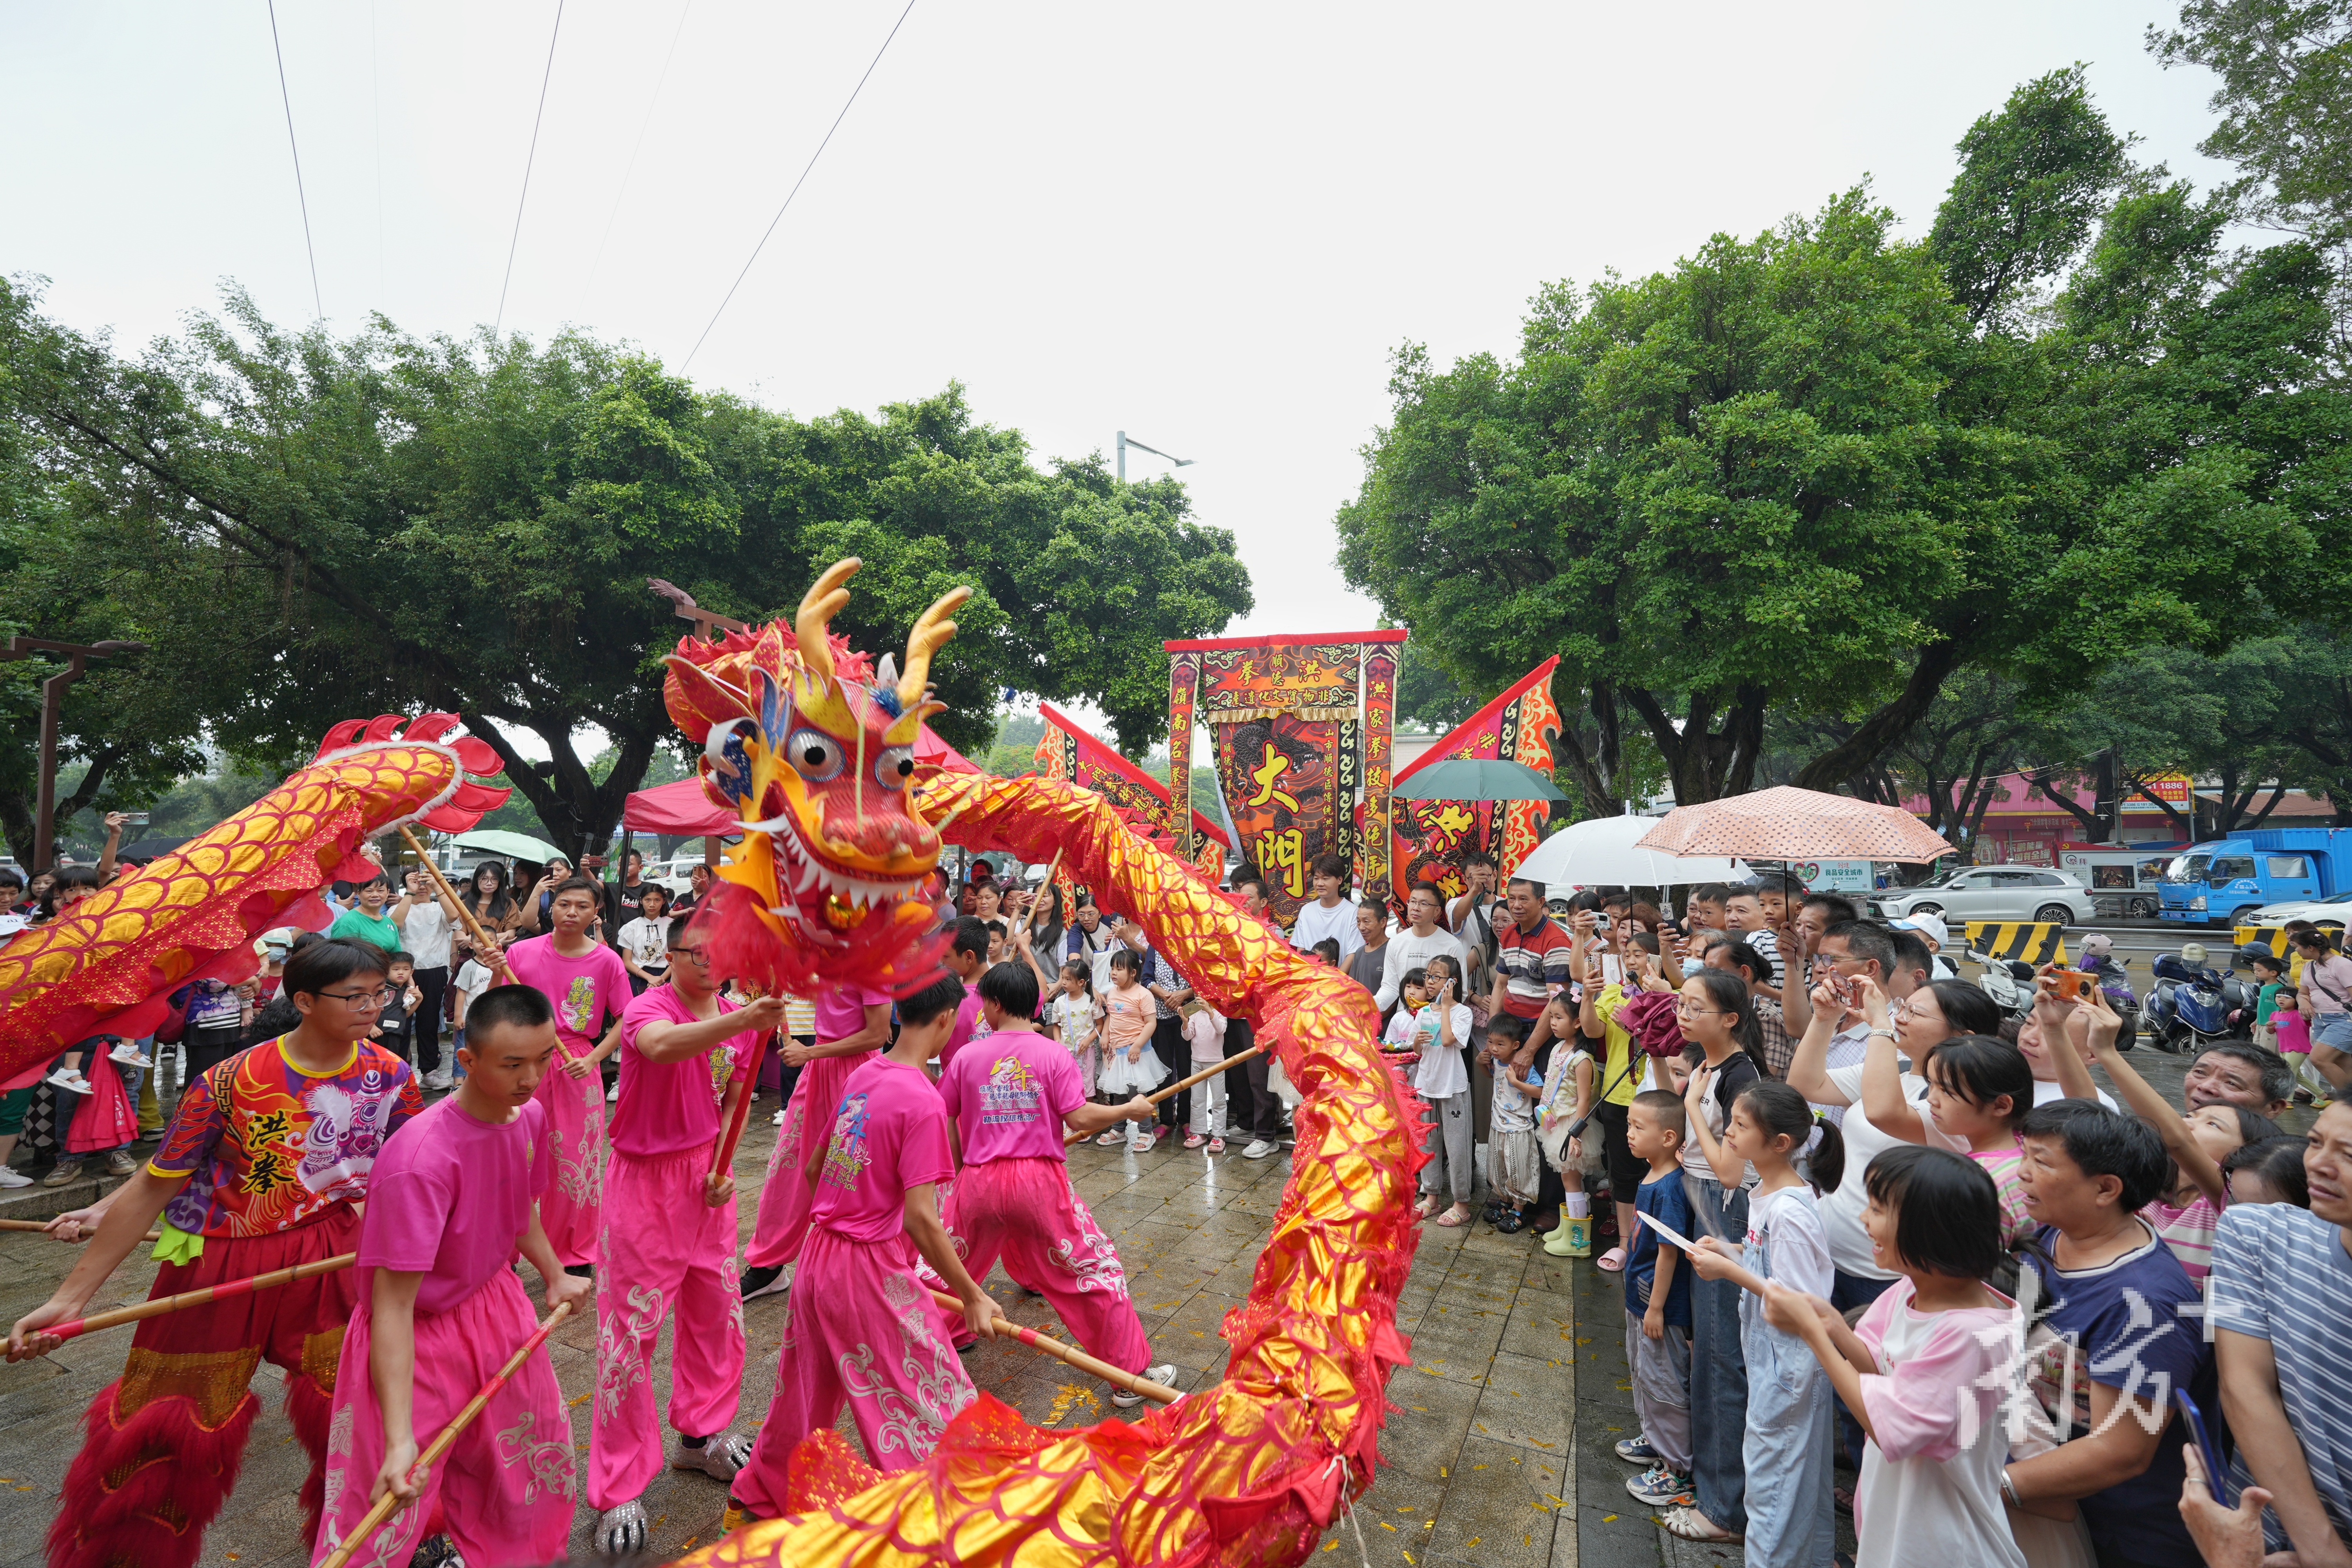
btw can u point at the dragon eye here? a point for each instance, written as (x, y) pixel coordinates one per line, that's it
(815, 754)
(894, 767)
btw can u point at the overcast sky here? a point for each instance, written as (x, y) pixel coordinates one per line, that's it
(1207, 225)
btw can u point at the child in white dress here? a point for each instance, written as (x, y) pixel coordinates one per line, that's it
(1074, 1019)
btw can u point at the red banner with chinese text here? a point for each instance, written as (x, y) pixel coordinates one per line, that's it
(1430, 836)
(1300, 734)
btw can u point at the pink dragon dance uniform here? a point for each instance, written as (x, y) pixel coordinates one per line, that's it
(858, 1328)
(665, 1252)
(451, 1199)
(585, 990)
(784, 1195)
(1008, 1094)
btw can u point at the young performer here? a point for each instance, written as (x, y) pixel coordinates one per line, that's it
(587, 983)
(1011, 1093)
(669, 1241)
(279, 1140)
(859, 1327)
(852, 1023)
(440, 1311)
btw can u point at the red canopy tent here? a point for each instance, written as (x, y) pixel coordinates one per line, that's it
(681, 810)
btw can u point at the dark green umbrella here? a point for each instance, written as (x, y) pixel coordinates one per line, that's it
(1476, 778)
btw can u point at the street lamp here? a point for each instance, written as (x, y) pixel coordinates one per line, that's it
(1124, 444)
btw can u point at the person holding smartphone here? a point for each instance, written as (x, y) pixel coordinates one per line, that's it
(1442, 1078)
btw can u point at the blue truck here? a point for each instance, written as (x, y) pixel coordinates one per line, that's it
(2222, 882)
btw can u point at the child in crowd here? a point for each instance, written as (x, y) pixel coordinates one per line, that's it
(2189, 1210)
(1328, 950)
(1657, 1307)
(452, 1202)
(1924, 1368)
(1791, 1521)
(1514, 1162)
(1074, 1019)
(396, 1027)
(2270, 1172)
(1979, 1088)
(1129, 1064)
(887, 1151)
(1570, 1093)
(1205, 1029)
(1412, 995)
(1442, 1077)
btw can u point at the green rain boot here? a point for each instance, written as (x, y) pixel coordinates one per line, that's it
(1570, 1238)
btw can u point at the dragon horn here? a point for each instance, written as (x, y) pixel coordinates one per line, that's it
(826, 599)
(931, 630)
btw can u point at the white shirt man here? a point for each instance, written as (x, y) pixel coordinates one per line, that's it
(1417, 943)
(1331, 916)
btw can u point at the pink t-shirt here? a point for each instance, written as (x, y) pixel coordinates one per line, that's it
(668, 1107)
(585, 990)
(890, 1134)
(969, 1026)
(450, 1197)
(840, 1010)
(1009, 1094)
(2187, 1229)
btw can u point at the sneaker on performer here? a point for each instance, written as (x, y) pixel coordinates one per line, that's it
(1259, 1149)
(127, 1054)
(1637, 1451)
(1661, 1487)
(1128, 1399)
(621, 1531)
(70, 1080)
(721, 1458)
(764, 1281)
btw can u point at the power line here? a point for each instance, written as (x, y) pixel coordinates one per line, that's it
(642, 129)
(529, 159)
(796, 185)
(317, 303)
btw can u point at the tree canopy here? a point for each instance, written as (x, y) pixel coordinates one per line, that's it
(308, 528)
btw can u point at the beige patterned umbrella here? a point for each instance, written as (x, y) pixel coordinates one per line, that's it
(1786, 822)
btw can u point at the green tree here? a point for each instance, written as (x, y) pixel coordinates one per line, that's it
(329, 527)
(2285, 70)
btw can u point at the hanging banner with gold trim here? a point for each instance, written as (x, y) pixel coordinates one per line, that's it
(1291, 735)
(1432, 836)
(1066, 752)
(1183, 677)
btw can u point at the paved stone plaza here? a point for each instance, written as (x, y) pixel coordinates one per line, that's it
(1500, 1456)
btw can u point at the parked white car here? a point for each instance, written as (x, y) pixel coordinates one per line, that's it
(2335, 911)
(1993, 893)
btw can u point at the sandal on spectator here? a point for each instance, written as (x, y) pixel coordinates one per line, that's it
(1691, 1525)
(1455, 1217)
(1611, 1261)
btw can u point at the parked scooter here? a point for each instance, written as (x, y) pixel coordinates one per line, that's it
(2194, 1006)
(2099, 958)
(2010, 983)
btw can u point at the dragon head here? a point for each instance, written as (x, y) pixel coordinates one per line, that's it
(813, 750)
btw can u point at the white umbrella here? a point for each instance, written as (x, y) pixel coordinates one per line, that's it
(1601, 850)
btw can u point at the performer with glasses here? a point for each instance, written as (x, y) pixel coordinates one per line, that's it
(265, 1158)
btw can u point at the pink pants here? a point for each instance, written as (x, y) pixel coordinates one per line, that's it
(856, 1333)
(506, 1488)
(785, 1195)
(1023, 1211)
(576, 1119)
(666, 1254)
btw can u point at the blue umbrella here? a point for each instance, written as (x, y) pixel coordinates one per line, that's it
(1478, 778)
